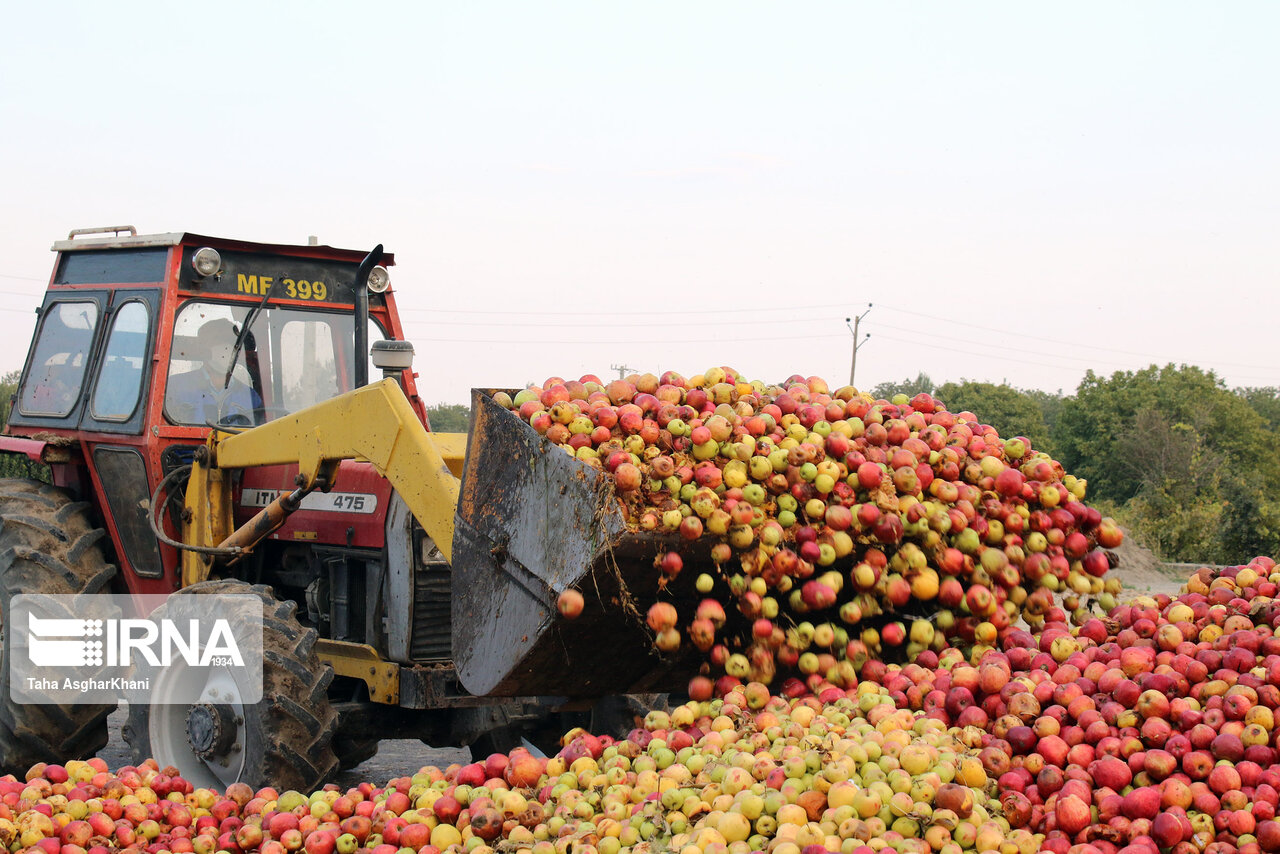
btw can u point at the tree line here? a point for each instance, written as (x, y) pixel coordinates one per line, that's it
(1187, 464)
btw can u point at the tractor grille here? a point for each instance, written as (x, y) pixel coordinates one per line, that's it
(432, 637)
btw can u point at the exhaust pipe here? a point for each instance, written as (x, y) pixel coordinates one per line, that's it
(362, 315)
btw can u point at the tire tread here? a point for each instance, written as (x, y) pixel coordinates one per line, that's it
(49, 545)
(297, 721)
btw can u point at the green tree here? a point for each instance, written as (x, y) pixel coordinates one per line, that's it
(1265, 401)
(8, 388)
(1187, 463)
(1102, 422)
(449, 417)
(1010, 411)
(909, 387)
(1174, 511)
(16, 465)
(1050, 403)
(1250, 519)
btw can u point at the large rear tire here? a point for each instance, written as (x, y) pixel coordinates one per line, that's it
(285, 740)
(47, 545)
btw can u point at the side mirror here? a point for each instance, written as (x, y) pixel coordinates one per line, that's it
(391, 357)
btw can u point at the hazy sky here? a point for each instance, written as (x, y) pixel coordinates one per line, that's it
(1023, 190)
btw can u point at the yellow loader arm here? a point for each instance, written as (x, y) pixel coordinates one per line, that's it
(374, 423)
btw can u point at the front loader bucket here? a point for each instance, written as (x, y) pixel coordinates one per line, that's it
(533, 521)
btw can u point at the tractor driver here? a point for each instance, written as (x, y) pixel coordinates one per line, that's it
(203, 396)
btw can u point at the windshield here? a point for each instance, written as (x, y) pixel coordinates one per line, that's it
(290, 359)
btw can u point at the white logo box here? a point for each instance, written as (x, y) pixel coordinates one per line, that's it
(102, 648)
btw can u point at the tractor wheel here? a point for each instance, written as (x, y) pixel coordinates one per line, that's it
(285, 740)
(47, 545)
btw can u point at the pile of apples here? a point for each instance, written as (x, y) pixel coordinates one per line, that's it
(1152, 726)
(840, 527)
(1150, 729)
(742, 773)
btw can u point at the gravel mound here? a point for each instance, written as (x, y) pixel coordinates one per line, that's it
(1142, 573)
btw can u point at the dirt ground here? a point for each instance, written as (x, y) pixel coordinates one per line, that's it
(1139, 570)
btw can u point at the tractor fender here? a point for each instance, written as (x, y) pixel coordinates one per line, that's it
(34, 449)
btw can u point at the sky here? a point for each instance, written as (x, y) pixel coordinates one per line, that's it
(1021, 192)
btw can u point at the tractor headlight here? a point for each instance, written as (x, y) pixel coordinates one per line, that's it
(206, 261)
(379, 279)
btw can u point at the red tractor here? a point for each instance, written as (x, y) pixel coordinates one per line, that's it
(204, 411)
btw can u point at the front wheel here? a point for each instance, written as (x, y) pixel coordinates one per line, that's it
(285, 740)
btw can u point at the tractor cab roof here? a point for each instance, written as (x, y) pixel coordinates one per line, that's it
(127, 237)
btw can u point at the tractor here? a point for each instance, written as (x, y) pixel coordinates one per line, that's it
(204, 412)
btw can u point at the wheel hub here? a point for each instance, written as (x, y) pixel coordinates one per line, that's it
(211, 729)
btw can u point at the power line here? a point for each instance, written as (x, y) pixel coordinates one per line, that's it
(792, 317)
(535, 342)
(523, 341)
(952, 350)
(614, 313)
(1075, 345)
(972, 348)
(662, 325)
(1058, 366)
(1040, 338)
(970, 342)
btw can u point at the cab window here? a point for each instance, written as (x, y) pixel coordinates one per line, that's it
(58, 363)
(115, 397)
(317, 372)
(313, 376)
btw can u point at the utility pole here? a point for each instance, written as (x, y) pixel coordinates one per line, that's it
(622, 370)
(853, 361)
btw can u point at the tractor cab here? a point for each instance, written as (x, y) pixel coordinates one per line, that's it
(146, 342)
